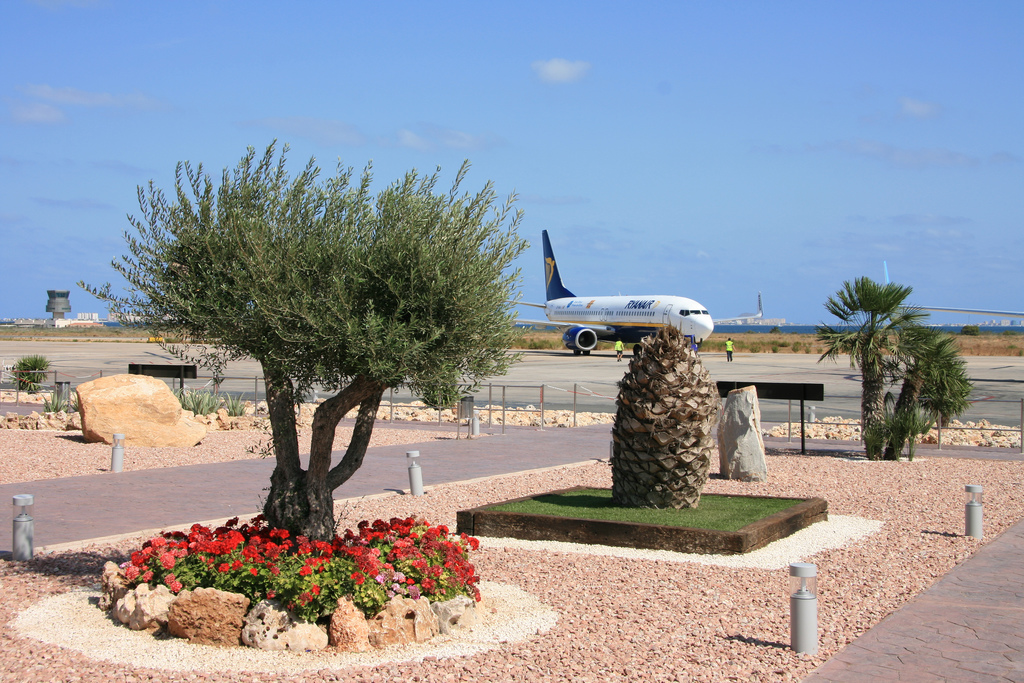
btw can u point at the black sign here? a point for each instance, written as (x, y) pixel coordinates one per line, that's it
(777, 390)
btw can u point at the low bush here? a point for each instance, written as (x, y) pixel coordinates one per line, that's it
(30, 371)
(970, 330)
(235, 405)
(403, 557)
(199, 402)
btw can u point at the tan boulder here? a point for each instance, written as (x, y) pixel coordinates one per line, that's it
(142, 408)
(349, 631)
(144, 608)
(115, 585)
(403, 621)
(207, 616)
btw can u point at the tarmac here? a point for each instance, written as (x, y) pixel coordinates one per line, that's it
(967, 627)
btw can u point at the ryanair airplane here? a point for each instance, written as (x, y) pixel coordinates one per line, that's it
(584, 321)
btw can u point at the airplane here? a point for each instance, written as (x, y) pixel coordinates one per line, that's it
(584, 321)
(973, 311)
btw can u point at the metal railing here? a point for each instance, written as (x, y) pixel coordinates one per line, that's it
(518, 399)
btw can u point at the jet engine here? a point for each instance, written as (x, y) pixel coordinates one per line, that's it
(580, 340)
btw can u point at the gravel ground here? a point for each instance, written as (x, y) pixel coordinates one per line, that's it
(624, 618)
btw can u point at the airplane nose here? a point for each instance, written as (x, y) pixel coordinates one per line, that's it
(704, 327)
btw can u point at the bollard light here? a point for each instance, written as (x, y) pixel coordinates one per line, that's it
(475, 430)
(23, 532)
(415, 473)
(117, 453)
(973, 511)
(803, 607)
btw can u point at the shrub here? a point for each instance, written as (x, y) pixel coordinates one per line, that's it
(30, 371)
(970, 330)
(199, 402)
(402, 557)
(59, 402)
(235, 405)
(797, 346)
(775, 330)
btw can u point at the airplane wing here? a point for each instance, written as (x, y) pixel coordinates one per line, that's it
(746, 317)
(977, 311)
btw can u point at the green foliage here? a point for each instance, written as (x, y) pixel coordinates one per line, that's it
(30, 372)
(199, 402)
(325, 285)
(60, 402)
(775, 330)
(871, 316)
(235, 405)
(970, 330)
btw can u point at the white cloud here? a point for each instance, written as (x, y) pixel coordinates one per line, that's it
(902, 157)
(918, 109)
(431, 136)
(326, 132)
(560, 70)
(84, 98)
(406, 138)
(36, 112)
(928, 219)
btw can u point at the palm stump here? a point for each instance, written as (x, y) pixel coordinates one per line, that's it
(662, 436)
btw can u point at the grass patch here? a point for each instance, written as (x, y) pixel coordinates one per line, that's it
(716, 512)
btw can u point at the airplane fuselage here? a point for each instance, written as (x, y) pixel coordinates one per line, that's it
(631, 318)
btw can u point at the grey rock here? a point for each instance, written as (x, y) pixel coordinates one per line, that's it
(740, 445)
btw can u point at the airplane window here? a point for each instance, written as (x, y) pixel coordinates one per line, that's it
(705, 313)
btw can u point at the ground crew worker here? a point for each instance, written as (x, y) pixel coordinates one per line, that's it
(728, 349)
(618, 351)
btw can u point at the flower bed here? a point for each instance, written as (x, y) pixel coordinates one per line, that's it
(382, 560)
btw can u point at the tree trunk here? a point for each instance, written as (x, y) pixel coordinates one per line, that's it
(286, 505)
(910, 392)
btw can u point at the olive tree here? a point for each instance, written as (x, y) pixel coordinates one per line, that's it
(326, 285)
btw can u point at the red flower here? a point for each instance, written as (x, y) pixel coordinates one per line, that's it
(223, 568)
(252, 570)
(167, 560)
(305, 571)
(315, 589)
(358, 578)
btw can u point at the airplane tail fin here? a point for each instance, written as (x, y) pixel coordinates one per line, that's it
(552, 280)
(760, 311)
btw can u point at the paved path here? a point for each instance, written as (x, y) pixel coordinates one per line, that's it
(968, 627)
(80, 508)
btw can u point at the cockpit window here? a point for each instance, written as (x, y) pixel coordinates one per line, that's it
(705, 313)
(684, 313)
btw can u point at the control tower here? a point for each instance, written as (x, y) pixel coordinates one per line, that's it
(58, 303)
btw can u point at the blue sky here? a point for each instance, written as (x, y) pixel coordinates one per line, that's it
(708, 150)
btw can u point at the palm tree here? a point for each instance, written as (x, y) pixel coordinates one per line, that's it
(871, 314)
(662, 436)
(933, 375)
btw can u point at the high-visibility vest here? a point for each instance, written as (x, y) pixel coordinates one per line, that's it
(728, 345)
(618, 346)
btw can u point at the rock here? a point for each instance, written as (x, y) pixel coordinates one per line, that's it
(349, 631)
(303, 637)
(740, 446)
(264, 625)
(208, 616)
(403, 621)
(115, 585)
(142, 408)
(458, 612)
(144, 608)
(269, 626)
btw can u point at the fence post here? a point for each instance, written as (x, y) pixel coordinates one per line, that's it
(503, 387)
(1022, 425)
(789, 423)
(490, 405)
(573, 404)
(391, 401)
(938, 421)
(542, 407)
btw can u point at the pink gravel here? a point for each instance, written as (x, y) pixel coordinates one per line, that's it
(626, 619)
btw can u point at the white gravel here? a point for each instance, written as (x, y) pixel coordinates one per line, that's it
(511, 615)
(622, 618)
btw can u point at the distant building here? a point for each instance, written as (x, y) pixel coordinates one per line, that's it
(58, 303)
